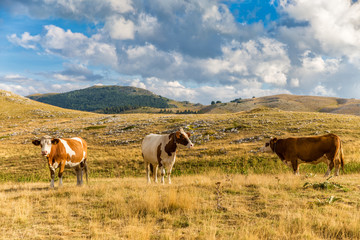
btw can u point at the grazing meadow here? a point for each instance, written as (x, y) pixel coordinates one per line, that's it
(223, 188)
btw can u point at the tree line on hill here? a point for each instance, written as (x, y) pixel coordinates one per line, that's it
(169, 111)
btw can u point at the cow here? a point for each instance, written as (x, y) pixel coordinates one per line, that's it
(64, 152)
(160, 151)
(315, 149)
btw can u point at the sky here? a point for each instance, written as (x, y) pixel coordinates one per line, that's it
(194, 50)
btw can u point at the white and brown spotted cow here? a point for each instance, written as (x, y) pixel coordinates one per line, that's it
(64, 152)
(315, 149)
(160, 151)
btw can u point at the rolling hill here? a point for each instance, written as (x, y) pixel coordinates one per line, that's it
(104, 99)
(288, 102)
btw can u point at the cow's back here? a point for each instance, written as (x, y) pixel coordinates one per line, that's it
(150, 146)
(74, 148)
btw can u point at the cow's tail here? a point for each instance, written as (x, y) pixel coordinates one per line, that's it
(341, 155)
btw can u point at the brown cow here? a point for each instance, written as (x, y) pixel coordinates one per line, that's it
(296, 150)
(64, 152)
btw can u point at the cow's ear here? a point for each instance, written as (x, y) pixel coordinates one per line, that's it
(36, 142)
(188, 134)
(55, 141)
(177, 134)
(274, 139)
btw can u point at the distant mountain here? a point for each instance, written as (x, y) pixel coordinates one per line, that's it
(289, 102)
(104, 99)
(117, 99)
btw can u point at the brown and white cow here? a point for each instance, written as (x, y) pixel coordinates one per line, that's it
(296, 150)
(64, 152)
(160, 151)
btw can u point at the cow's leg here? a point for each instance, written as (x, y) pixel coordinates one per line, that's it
(331, 160)
(52, 175)
(81, 176)
(330, 167)
(162, 174)
(86, 171)
(155, 172)
(337, 170)
(337, 167)
(169, 173)
(295, 166)
(61, 171)
(78, 179)
(328, 171)
(337, 162)
(147, 167)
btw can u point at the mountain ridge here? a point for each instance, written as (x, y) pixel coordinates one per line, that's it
(286, 102)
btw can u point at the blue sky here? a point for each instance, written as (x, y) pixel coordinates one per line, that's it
(197, 50)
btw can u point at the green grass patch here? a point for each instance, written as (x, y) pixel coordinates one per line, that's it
(129, 127)
(326, 185)
(95, 127)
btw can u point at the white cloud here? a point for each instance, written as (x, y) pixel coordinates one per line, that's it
(65, 87)
(70, 45)
(317, 64)
(314, 68)
(219, 18)
(119, 28)
(137, 83)
(18, 89)
(320, 90)
(333, 23)
(62, 77)
(294, 82)
(13, 76)
(120, 6)
(94, 10)
(147, 25)
(265, 59)
(170, 89)
(26, 40)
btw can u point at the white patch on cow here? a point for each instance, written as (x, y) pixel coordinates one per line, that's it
(71, 164)
(54, 166)
(67, 148)
(45, 145)
(79, 140)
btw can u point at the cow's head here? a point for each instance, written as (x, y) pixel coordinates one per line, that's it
(45, 142)
(269, 146)
(183, 138)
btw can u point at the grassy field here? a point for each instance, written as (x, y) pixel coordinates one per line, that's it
(223, 188)
(194, 207)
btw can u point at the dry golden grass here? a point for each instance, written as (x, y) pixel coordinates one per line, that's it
(257, 207)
